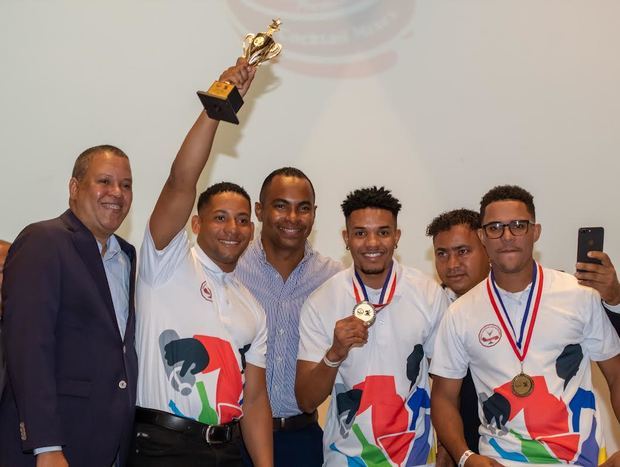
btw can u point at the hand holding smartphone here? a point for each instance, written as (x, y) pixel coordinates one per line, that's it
(589, 239)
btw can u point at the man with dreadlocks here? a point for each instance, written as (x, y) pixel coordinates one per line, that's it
(365, 337)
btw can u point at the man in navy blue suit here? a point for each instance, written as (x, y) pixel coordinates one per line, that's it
(69, 327)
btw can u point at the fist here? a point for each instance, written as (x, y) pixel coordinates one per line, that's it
(348, 332)
(241, 75)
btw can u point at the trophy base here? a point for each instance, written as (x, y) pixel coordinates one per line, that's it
(222, 102)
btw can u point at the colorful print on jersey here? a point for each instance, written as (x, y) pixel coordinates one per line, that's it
(188, 361)
(553, 426)
(393, 420)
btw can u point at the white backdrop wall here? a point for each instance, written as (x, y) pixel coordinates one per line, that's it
(439, 100)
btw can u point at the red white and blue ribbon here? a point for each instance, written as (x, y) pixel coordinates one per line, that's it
(389, 287)
(521, 342)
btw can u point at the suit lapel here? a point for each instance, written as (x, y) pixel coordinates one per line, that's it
(87, 249)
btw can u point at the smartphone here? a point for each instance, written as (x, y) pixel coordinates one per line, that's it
(589, 239)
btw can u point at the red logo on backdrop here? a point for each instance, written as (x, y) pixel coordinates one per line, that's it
(489, 335)
(206, 292)
(352, 38)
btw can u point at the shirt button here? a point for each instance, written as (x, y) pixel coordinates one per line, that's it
(124, 349)
(122, 384)
(281, 331)
(279, 359)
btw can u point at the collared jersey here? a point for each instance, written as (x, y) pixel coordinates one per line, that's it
(196, 328)
(558, 421)
(379, 413)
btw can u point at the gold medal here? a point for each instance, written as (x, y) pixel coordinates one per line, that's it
(522, 385)
(366, 312)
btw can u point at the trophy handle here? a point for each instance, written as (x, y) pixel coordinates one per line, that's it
(246, 43)
(274, 51)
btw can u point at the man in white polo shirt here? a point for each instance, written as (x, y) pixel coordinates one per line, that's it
(365, 337)
(201, 335)
(528, 335)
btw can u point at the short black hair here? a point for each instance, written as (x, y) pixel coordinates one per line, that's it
(285, 172)
(446, 220)
(221, 187)
(508, 193)
(80, 167)
(371, 197)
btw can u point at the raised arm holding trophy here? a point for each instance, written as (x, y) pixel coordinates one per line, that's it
(222, 101)
(201, 336)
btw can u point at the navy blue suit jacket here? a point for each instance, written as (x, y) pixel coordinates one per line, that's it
(71, 377)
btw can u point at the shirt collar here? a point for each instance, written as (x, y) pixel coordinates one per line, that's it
(208, 262)
(397, 267)
(112, 248)
(257, 246)
(451, 294)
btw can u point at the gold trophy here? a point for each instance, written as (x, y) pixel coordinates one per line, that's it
(222, 101)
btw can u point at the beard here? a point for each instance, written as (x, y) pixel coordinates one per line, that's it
(375, 271)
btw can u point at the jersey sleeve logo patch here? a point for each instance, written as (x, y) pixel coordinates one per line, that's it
(489, 335)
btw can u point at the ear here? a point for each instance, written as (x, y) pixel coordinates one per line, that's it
(258, 210)
(537, 231)
(73, 187)
(345, 237)
(397, 236)
(481, 236)
(196, 224)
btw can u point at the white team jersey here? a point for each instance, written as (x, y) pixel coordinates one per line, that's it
(557, 422)
(380, 408)
(196, 328)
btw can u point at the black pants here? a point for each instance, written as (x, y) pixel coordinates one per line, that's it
(155, 446)
(297, 448)
(469, 412)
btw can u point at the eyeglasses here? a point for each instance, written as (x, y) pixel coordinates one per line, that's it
(517, 228)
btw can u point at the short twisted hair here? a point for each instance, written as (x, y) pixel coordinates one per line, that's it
(371, 197)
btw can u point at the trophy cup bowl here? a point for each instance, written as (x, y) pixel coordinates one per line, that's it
(222, 100)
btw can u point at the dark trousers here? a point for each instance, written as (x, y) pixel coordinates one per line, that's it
(469, 412)
(295, 448)
(155, 446)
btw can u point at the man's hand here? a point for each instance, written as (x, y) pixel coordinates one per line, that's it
(348, 332)
(241, 75)
(601, 277)
(52, 459)
(613, 461)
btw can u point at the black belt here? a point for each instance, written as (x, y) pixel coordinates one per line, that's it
(296, 422)
(211, 434)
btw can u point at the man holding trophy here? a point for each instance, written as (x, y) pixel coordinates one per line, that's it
(201, 335)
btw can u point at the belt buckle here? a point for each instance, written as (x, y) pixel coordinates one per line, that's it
(211, 431)
(282, 422)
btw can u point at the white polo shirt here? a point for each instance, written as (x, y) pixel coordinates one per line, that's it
(380, 407)
(196, 325)
(558, 421)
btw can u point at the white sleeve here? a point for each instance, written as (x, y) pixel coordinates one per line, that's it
(313, 339)
(450, 358)
(600, 337)
(439, 306)
(157, 266)
(258, 349)
(612, 308)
